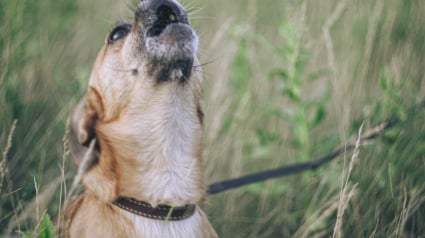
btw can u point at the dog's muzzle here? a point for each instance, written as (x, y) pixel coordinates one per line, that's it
(170, 41)
(166, 13)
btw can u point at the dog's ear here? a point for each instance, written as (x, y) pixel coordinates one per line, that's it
(82, 128)
(99, 177)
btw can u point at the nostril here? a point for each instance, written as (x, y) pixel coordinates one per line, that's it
(166, 14)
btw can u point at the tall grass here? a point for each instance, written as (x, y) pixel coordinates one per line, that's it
(285, 82)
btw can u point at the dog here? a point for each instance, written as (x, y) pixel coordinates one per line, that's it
(144, 176)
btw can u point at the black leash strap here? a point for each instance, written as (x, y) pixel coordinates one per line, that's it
(301, 167)
(274, 173)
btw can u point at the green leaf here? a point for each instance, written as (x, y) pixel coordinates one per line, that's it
(293, 93)
(266, 137)
(279, 73)
(46, 229)
(318, 118)
(384, 83)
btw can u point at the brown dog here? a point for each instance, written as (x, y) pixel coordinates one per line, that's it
(142, 107)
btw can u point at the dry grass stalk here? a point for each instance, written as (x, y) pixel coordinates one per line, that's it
(34, 233)
(332, 61)
(39, 203)
(88, 158)
(62, 192)
(333, 18)
(347, 191)
(412, 201)
(370, 38)
(310, 227)
(3, 162)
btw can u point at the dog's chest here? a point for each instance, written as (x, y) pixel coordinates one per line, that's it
(188, 228)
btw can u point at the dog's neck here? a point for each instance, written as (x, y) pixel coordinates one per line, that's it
(158, 160)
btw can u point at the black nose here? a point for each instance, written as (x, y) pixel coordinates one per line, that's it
(166, 13)
(163, 12)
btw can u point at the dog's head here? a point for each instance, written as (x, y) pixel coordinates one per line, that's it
(157, 48)
(145, 75)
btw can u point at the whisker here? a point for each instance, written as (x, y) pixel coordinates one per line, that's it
(193, 11)
(189, 5)
(203, 18)
(203, 53)
(130, 7)
(203, 64)
(205, 74)
(121, 70)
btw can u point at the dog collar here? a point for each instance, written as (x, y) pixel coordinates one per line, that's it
(161, 212)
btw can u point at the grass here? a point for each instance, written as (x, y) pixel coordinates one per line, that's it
(285, 82)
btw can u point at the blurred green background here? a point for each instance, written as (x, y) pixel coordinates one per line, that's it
(284, 82)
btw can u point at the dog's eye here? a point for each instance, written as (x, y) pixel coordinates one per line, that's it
(118, 33)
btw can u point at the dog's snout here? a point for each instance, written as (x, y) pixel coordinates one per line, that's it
(164, 31)
(156, 15)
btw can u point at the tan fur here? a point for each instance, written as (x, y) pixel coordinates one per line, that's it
(148, 141)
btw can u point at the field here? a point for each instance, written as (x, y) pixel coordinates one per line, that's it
(284, 82)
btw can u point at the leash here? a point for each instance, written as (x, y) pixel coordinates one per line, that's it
(311, 165)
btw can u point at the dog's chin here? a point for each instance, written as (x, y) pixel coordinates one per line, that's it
(171, 51)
